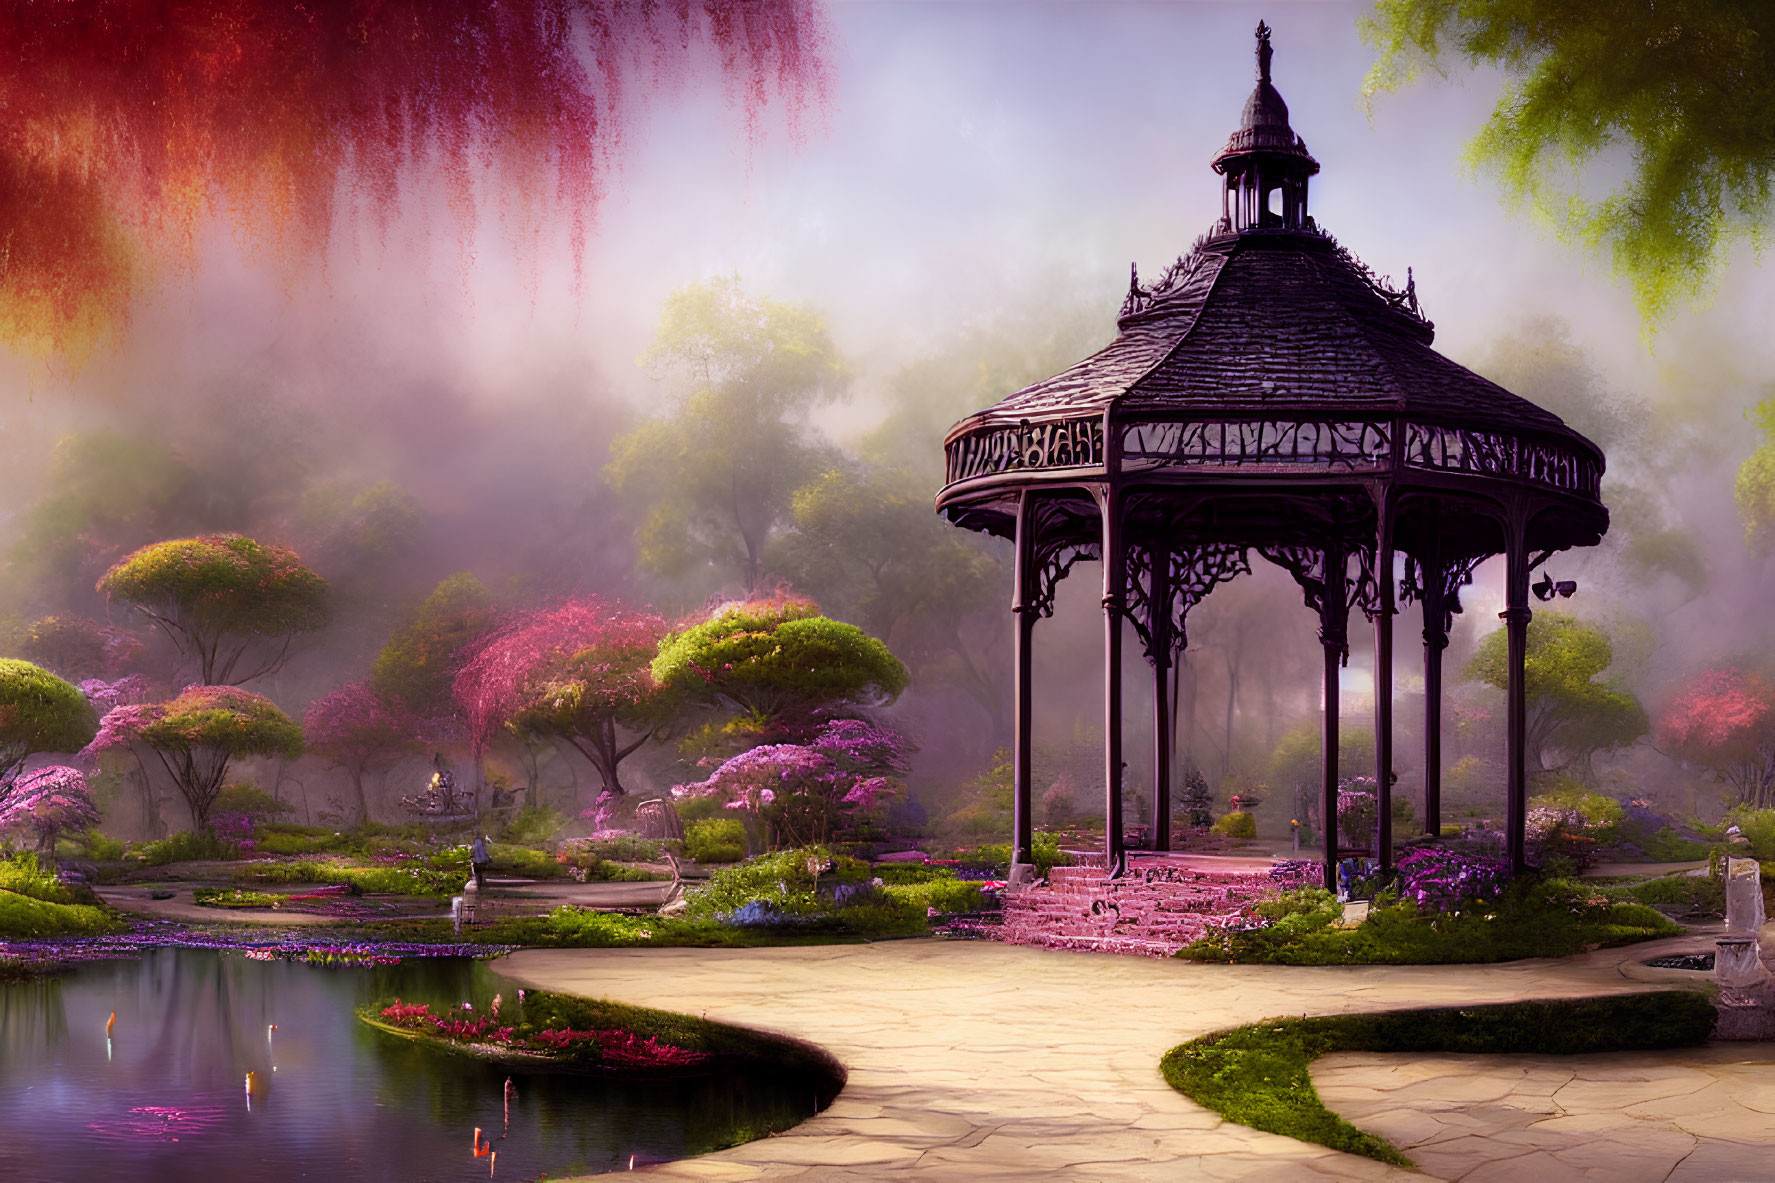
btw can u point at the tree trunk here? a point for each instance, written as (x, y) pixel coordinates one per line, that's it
(357, 788)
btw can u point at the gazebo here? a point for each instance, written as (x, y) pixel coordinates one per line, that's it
(1269, 393)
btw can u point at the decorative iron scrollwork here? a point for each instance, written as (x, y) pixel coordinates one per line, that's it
(1068, 443)
(1491, 453)
(1308, 566)
(1274, 443)
(1453, 575)
(1192, 572)
(1052, 562)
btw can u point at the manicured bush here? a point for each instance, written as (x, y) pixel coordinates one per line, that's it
(26, 875)
(1259, 1076)
(716, 840)
(182, 847)
(1534, 918)
(223, 897)
(443, 873)
(1238, 825)
(625, 848)
(525, 862)
(23, 916)
(533, 825)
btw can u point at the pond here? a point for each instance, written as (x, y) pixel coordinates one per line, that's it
(165, 1098)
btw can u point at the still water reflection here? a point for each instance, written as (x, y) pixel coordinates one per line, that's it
(165, 1097)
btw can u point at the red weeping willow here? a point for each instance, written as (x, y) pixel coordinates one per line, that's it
(126, 124)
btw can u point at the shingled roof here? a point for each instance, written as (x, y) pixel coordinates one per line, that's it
(1268, 321)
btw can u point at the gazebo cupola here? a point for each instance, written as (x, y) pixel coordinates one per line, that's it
(1264, 157)
(1267, 396)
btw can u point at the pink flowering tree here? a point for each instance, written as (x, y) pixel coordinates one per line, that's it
(196, 736)
(1724, 720)
(354, 729)
(577, 672)
(806, 793)
(131, 691)
(50, 802)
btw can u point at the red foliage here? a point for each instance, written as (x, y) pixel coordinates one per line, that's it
(130, 122)
(1724, 720)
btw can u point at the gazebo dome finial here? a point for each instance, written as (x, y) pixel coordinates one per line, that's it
(1265, 157)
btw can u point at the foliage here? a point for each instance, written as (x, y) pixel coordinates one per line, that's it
(115, 158)
(222, 897)
(1358, 811)
(247, 798)
(442, 873)
(508, 859)
(1570, 711)
(715, 840)
(28, 874)
(783, 880)
(1439, 880)
(38, 713)
(533, 826)
(1724, 720)
(714, 478)
(1686, 89)
(221, 597)
(770, 659)
(183, 847)
(1532, 918)
(983, 804)
(23, 916)
(1694, 894)
(354, 728)
(198, 734)
(1259, 1075)
(1754, 487)
(49, 801)
(1296, 758)
(78, 648)
(416, 670)
(807, 793)
(1238, 825)
(579, 671)
(628, 848)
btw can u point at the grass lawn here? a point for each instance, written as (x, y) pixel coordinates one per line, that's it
(1259, 1076)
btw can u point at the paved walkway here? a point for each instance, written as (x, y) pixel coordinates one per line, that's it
(1691, 1115)
(980, 1061)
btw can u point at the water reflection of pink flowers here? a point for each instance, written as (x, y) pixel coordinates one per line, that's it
(159, 1123)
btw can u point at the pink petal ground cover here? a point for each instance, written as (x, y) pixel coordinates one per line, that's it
(265, 945)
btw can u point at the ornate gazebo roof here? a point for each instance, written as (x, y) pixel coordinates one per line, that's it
(1269, 350)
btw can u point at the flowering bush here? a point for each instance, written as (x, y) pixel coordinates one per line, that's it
(50, 802)
(613, 1046)
(807, 792)
(1358, 811)
(1441, 880)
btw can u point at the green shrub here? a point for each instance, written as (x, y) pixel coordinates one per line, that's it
(1238, 825)
(1603, 816)
(26, 875)
(1758, 826)
(715, 840)
(626, 848)
(222, 897)
(94, 846)
(250, 799)
(1260, 1075)
(23, 916)
(533, 825)
(944, 894)
(1696, 893)
(782, 880)
(182, 847)
(696, 809)
(524, 862)
(1535, 918)
(1669, 846)
(443, 873)
(282, 840)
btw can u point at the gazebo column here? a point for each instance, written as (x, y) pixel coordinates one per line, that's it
(1115, 583)
(1160, 630)
(1431, 577)
(1334, 620)
(1383, 688)
(1024, 613)
(1516, 616)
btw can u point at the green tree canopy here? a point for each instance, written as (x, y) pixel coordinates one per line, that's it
(416, 669)
(39, 712)
(1685, 87)
(199, 733)
(1296, 758)
(1573, 712)
(714, 477)
(772, 659)
(866, 543)
(1755, 486)
(228, 603)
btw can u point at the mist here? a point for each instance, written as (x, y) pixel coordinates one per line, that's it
(959, 214)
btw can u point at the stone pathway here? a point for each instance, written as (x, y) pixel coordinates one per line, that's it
(975, 1060)
(1694, 1115)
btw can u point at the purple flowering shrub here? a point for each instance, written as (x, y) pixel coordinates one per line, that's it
(1441, 880)
(807, 793)
(49, 802)
(1358, 811)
